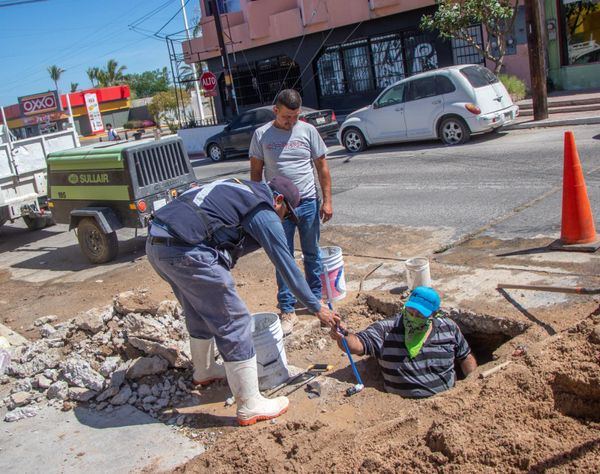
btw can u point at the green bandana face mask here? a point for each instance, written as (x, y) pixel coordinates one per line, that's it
(415, 333)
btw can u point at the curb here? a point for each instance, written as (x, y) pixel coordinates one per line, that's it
(553, 123)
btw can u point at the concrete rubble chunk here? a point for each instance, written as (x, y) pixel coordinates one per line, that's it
(108, 393)
(91, 321)
(170, 354)
(144, 390)
(135, 302)
(147, 366)
(78, 372)
(42, 382)
(118, 376)
(19, 399)
(168, 308)
(23, 385)
(45, 320)
(143, 327)
(47, 330)
(81, 394)
(109, 365)
(20, 413)
(58, 390)
(122, 397)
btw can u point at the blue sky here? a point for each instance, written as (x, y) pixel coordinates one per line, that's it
(78, 34)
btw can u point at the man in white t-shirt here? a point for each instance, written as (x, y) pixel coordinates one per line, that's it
(293, 148)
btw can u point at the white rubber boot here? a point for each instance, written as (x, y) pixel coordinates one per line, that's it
(206, 369)
(251, 405)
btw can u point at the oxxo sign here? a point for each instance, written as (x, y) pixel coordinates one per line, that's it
(39, 103)
(209, 84)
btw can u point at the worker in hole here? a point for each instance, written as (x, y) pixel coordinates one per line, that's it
(416, 349)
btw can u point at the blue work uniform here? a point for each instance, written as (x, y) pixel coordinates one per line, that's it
(196, 239)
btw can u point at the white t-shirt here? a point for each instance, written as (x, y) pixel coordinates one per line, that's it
(289, 153)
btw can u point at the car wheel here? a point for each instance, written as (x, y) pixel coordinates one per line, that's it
(97, 246)
(215, 152)
(454, 131)
(353, 140)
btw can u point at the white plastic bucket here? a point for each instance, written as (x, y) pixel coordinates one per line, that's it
(333, 263)
(270, 352)
(417, 272)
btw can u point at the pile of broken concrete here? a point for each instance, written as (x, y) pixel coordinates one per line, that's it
(134, 351)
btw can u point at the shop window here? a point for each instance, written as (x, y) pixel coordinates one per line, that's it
(581, 20)
(420, 53)
(387, 60)
(374, 63)
(357, 61)
(260, 82)
(464, 52)
(330, 72)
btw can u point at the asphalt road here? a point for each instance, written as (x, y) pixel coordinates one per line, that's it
(507, 184)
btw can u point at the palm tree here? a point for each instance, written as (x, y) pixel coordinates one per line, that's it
(74, 86)
(114, 73)
(92, 74)
(55, 73)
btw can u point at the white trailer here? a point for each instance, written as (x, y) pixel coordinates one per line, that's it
(23, 177)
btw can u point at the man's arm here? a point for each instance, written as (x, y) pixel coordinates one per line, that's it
(325, 182)
(468, 364)
(265, 227)
(256, 169)
(354, 343)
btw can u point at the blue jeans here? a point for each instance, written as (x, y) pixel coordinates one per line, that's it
(309, 229)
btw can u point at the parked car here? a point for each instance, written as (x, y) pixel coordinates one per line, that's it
(236, 136)
(449, 104)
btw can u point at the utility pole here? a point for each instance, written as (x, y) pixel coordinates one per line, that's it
(224, 58)
(194, 71)
(536, 47)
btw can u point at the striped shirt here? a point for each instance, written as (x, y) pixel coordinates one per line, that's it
(431, 371)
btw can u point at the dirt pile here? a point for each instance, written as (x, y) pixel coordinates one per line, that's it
(541, 413)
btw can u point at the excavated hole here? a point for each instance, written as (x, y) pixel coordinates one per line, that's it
(486, 333)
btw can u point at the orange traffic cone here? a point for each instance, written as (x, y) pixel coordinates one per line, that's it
(577, 226)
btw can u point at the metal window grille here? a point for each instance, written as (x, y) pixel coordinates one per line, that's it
(464, 52)
(388, 61)
(158, 163)
(420, 53)
(260, 84)
(357, 66)
(374, 63)
(330, 72)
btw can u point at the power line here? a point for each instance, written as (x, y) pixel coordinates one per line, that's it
(12, 3)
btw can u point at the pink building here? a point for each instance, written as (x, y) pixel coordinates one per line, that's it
(339, 53)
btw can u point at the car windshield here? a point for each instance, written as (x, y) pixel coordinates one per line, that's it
(478, 76)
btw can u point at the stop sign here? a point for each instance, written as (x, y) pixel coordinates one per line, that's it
(208, 81)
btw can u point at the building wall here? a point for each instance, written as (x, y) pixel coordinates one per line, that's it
(263, 22)
(314, 43)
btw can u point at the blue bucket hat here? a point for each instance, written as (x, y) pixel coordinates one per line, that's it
(425, 300)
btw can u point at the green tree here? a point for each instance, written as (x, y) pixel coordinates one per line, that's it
(55, 73)
(164, 107)
(112, 75)
(92, 74)
(454, 17)
(148, 83)
(74, 86)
